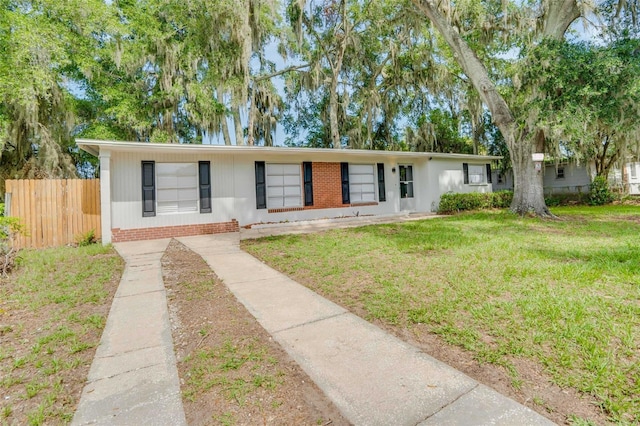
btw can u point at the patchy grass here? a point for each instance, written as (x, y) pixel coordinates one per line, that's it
(564, 294)
(52, 312)
(231, 371)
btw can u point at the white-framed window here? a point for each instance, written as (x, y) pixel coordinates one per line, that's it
(284, 185)
(176, 187)
(633, 171)
(406, 180)
(476, 174)
(362, 187)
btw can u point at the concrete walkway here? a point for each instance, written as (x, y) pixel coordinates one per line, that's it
(371, 376)
(133, 379)
(308, 226)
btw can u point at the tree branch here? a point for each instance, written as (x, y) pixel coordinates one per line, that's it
(277, 73)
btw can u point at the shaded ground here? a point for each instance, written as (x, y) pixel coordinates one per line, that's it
(231, 371)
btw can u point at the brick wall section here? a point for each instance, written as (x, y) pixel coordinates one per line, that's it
(120, 235)
(327, 186)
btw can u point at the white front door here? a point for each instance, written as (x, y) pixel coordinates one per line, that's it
(407, 201)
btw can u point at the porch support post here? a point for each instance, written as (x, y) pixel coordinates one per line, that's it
(105, 195)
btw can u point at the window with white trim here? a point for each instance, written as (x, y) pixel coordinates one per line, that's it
(362, 187)
(632, 171)
(176, 187)
(284, 185)
(476, 174)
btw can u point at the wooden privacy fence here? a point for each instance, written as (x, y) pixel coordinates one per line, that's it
(55, 212)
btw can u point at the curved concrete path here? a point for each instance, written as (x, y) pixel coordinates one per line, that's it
(371, 376)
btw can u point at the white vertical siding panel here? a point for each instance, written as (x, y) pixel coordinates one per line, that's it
(126, 193)
(448, 176)
(576, 178)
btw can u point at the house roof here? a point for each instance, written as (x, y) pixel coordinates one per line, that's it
(94, 147)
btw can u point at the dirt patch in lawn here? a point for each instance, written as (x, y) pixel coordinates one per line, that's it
(231, 371)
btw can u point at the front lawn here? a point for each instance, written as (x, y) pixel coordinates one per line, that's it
(53, 308)
(562, 294)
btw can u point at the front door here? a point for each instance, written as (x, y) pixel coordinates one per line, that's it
(407, 201)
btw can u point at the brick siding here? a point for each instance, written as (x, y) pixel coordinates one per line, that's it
(327, 186)
(120, 235)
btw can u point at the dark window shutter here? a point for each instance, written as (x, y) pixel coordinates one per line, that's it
(344, 172)
(382, 193)
(261, 186)
(307, 172)
(148, 189)
(204, 173)
(465, 169)
(488, 173)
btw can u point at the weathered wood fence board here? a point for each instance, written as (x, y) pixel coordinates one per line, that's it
(55, 211)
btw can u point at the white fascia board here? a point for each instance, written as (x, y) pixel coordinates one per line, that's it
(94, 147)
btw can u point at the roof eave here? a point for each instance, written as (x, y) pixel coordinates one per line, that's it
(94, 147)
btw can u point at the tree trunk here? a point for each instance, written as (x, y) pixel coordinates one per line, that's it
(333, 113)
(223, 123)
(235, 111)
(528, 191)
(252, 120)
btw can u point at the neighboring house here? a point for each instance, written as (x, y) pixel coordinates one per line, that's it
(167, 190)
(632, 174)
(564, 178)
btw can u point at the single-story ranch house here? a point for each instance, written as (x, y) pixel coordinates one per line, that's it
(168, 190)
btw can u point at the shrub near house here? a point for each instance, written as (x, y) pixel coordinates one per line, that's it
(453, 203)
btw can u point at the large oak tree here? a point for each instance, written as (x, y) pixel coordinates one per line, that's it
(522, 138)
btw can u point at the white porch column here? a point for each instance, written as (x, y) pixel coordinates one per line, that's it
(105, 195)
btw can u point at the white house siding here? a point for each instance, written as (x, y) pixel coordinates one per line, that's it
(632, 171)
(576, 179)
(449, 175)
(126, 178)
(233, 190)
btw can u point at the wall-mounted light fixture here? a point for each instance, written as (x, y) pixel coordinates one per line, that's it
(393, 170)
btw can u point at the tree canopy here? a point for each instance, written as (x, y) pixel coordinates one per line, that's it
(387, 74)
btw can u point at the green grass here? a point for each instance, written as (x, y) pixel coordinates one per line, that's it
(233, 367)
(563, 293)
(55, 304)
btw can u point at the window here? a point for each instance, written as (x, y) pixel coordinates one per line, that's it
(560, 173)
(362, 188)
(406, 181)
(500, 177)
(476, 174)
(632, 171)
(284, 186)
(175, 188)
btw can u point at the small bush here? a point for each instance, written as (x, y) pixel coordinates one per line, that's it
(599, 192)
(452, 203)
(9, 227)
(86, 239)
(1, 209)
